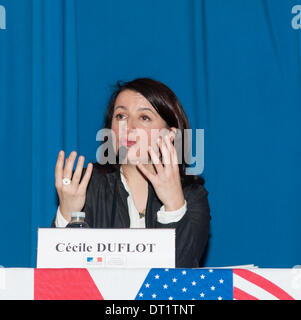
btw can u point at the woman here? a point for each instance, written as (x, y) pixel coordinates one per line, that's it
(148, 188)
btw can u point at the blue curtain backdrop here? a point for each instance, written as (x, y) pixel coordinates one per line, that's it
(236, 67)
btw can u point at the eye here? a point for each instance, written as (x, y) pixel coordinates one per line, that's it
(145, 118)
(119, 116)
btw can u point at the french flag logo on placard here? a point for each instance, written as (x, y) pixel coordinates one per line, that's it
(94, 260)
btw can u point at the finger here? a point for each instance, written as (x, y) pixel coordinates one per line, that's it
(59, 169)
(69, 165)
(172, 150)
(78, 171)
(155, 160)
(84, 183)
(174, 157)
(164, 151)
(151, 177)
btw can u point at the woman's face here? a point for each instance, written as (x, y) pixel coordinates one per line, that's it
(136, 125)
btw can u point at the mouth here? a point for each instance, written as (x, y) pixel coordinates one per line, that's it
(130, 143)
(127, 143)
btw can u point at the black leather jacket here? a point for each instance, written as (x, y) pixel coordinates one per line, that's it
(106, 207)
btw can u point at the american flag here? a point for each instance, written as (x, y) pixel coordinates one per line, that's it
(256, 285)
(187, 284)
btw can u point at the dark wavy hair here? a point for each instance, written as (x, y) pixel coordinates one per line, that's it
(164, 101)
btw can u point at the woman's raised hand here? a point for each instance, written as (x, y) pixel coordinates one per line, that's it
(72, 196)
(167, 181)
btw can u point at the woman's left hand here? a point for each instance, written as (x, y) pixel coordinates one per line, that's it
(167, 181)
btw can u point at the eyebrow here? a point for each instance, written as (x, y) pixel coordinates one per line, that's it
(142, 109)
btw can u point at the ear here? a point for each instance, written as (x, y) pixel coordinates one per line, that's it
(173, 129)
(172, 133)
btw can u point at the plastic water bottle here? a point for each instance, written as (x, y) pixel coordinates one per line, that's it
(77, 220)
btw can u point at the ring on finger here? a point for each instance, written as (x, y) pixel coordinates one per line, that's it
(66, 181)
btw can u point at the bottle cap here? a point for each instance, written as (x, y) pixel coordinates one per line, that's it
(78, 214)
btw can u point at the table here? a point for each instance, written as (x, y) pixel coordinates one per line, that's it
(150, 284)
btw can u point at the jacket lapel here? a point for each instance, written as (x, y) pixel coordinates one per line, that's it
(119, 195)
(152, 207)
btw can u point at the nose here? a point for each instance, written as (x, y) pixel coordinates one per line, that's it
(131, 125)
(126, 127)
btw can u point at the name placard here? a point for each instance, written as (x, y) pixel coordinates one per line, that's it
(106, 248)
